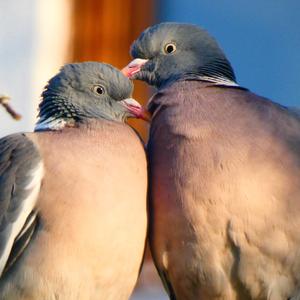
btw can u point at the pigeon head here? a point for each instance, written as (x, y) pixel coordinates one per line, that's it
(168, 52)
(88, 90)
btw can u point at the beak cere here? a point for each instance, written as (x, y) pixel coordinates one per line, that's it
(135, 109)
(133, 67)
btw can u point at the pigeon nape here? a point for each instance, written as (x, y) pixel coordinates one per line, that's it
(87, 90)
(168, 52)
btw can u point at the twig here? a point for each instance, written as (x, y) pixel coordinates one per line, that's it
(4, 102)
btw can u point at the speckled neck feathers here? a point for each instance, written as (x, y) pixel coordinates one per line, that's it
(55, 112)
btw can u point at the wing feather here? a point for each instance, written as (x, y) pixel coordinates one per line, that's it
(21, 172)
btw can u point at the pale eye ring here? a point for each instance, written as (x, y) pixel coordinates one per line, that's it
(170, 48)
(98, 89)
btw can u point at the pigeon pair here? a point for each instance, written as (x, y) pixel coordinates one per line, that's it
(224, 181)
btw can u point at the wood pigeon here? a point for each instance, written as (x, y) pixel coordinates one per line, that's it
(224, 173)
(73, 193)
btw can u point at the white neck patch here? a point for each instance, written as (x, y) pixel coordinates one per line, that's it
(50, 124)
(219, 80)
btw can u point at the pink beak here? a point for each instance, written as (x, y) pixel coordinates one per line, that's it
(136, 109)
(133, 67)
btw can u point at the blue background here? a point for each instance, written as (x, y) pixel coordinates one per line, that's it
(261, 38)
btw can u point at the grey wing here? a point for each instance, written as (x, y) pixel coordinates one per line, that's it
(21, 172)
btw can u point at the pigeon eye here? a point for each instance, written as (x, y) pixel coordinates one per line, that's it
(170, 48)
(99, 89)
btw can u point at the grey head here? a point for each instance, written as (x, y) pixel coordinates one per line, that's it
(168, 52)
(88, 90)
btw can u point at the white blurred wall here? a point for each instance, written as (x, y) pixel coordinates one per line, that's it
(34, 40)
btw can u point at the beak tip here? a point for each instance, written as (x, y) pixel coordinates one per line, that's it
(133, 67)
(126, 72)
(136, 109)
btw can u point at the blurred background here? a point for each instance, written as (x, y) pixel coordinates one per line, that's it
(260, 38)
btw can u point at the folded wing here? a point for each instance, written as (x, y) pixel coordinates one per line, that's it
(21, 172)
